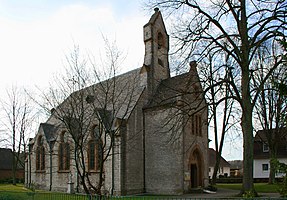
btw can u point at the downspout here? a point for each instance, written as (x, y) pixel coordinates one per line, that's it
(77, 174)
(51, 177)
(51, 153)
(144, 165)
(113, 163)
(29, 173)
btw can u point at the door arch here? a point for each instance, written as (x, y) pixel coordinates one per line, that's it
(196, 167)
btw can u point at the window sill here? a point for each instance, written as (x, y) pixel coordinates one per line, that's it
(64, 171)
(93, 171)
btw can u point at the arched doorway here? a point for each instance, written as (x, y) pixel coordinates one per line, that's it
(196, 168)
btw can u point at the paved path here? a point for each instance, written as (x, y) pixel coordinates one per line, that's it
(225, 193)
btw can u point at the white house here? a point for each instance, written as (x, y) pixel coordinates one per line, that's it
(224, 166)
(261, 163)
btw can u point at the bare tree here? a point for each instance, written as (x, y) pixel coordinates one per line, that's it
(269, 110)
(239, 29)
(18, 116)
(221, 108)
(91, 103)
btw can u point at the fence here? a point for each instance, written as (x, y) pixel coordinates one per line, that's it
(10, 195)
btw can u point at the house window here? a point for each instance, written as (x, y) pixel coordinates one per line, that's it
(64, 153)
(265, 147)
(196, 125)
(94, 149)
(264, 167)
(40, 155)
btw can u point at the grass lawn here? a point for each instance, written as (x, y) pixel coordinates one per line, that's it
(259, 187)
(16, 192)
(14, 188)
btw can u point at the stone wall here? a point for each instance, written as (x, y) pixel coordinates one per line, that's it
(164, 156)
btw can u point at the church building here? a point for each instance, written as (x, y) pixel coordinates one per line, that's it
(152, 129)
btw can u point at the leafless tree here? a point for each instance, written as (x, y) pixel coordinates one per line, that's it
(18, 116)
(269, 110)
(222, 115)
(239, 29)
(91, 103)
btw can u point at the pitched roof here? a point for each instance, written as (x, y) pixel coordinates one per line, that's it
(6, 159)
(261, 135)
(236, 164)
(212, 159)
(156, 16)
(278, 136)
(171, 89)
(117, 96)
(49, 131)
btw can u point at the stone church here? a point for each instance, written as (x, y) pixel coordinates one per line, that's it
(156, 123)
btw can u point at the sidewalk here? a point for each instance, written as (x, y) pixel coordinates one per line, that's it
(226, 193)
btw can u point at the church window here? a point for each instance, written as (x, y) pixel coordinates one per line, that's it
(196, 125)
(94, 149)
(160, 40)
(40, 154)
(64, 153)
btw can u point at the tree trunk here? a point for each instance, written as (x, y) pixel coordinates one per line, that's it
(247, 129)
(273, 161)
(214, 175)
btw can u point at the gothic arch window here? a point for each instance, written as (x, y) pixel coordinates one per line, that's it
(160, 40)
(196, 125)
(64, 153)
(40, 154)
(94, 149)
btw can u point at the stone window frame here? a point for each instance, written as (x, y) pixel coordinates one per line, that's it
(64, 154)
(40, 155)
(196, 124)
(93, 150)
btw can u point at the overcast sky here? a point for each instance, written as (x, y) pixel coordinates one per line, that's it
(35, 36)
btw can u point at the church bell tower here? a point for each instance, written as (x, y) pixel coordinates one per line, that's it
(156, 42)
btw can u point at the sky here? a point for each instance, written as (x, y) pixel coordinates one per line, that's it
(36, 35)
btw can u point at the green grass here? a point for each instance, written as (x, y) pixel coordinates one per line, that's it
(259, 187)
(16, 192)
(14, 188)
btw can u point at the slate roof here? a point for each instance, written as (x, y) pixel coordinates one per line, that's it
(117, 96)
(236, 164)
(6, 159)
(49, 131)
(261, 137)
(212, 159)
(171, 89)
(126, 93)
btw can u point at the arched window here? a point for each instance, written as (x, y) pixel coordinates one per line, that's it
(40, 154)
(196, 125)
(64, 153)
(94, 149)
(160, 40)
